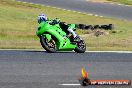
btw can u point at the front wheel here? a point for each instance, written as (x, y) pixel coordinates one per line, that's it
(80, 47)
(49, 46)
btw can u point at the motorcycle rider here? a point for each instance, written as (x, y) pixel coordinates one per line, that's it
(43, 18)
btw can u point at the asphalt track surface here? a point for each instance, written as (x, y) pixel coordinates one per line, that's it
(39, 69)
(102, 9)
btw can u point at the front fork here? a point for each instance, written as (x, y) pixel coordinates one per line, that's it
(48, 36)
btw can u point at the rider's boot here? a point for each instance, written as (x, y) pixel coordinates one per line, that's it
(77, 38)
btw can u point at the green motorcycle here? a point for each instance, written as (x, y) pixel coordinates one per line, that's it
(53, 38)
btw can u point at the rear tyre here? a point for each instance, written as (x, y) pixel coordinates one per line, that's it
(48, 46)
(81, 47)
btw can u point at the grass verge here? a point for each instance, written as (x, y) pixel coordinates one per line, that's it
(18, 25)
(127, 2)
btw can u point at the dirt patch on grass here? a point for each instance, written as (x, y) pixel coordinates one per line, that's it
(95, 33)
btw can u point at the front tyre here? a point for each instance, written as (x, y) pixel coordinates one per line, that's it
(49, 46)
(80, 47)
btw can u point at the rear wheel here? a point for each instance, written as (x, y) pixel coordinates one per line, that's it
(81, 47)
(49, 46)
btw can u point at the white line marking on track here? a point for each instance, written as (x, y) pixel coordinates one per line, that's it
(62, 9)
(68, 10)
(23, 49)
(96, 15)
(69, 51)
(69, 84)
(75, 11)
(119, 4)
(90, 14)
(101, 16)
(110, 51)
(110, 3)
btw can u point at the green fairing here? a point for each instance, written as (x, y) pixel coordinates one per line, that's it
(47, 30)
(48, 36)
(72, 26)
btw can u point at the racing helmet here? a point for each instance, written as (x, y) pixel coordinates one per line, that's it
(42, 18)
